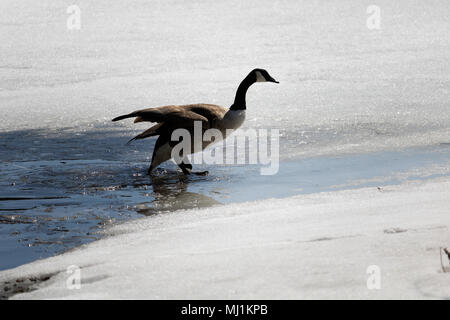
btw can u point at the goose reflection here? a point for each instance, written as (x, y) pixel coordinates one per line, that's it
(170, 194)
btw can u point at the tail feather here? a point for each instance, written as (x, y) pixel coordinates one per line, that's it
(153, 131)
(125, 116)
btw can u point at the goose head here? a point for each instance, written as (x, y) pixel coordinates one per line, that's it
(261, 75)
(256, 75)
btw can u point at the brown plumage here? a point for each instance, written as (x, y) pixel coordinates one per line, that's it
(181, 115)
(170, 118)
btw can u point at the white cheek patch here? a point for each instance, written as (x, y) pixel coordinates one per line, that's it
(259, 77)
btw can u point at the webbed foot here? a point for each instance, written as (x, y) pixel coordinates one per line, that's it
(201, 173)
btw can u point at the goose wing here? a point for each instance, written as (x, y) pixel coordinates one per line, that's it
(210, 111)
(170, 118)
(174, 114)
(156, 130)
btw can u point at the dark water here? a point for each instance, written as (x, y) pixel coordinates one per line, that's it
(59, 188)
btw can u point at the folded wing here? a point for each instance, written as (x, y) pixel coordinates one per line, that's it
(173, 114)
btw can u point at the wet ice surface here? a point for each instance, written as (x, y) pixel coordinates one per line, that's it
(72, 184)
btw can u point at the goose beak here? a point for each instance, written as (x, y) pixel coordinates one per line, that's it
(272, 80)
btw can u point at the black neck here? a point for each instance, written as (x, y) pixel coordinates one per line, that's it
(239, 100)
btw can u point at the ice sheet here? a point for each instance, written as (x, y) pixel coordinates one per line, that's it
(343, 87)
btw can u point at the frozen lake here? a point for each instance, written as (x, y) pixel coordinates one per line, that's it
(355, 106)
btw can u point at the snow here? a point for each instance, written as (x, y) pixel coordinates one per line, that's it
(311, 246)
(343, 89)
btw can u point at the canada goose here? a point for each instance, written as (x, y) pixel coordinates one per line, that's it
(170, 118)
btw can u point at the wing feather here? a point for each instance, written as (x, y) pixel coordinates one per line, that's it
(150, 132)
(170, 118)
(174, 114)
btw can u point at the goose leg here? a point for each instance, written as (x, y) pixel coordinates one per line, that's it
(186, 167)
(201, 173)
(161, 152)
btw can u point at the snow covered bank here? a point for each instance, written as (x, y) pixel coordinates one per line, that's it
(312, 246)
